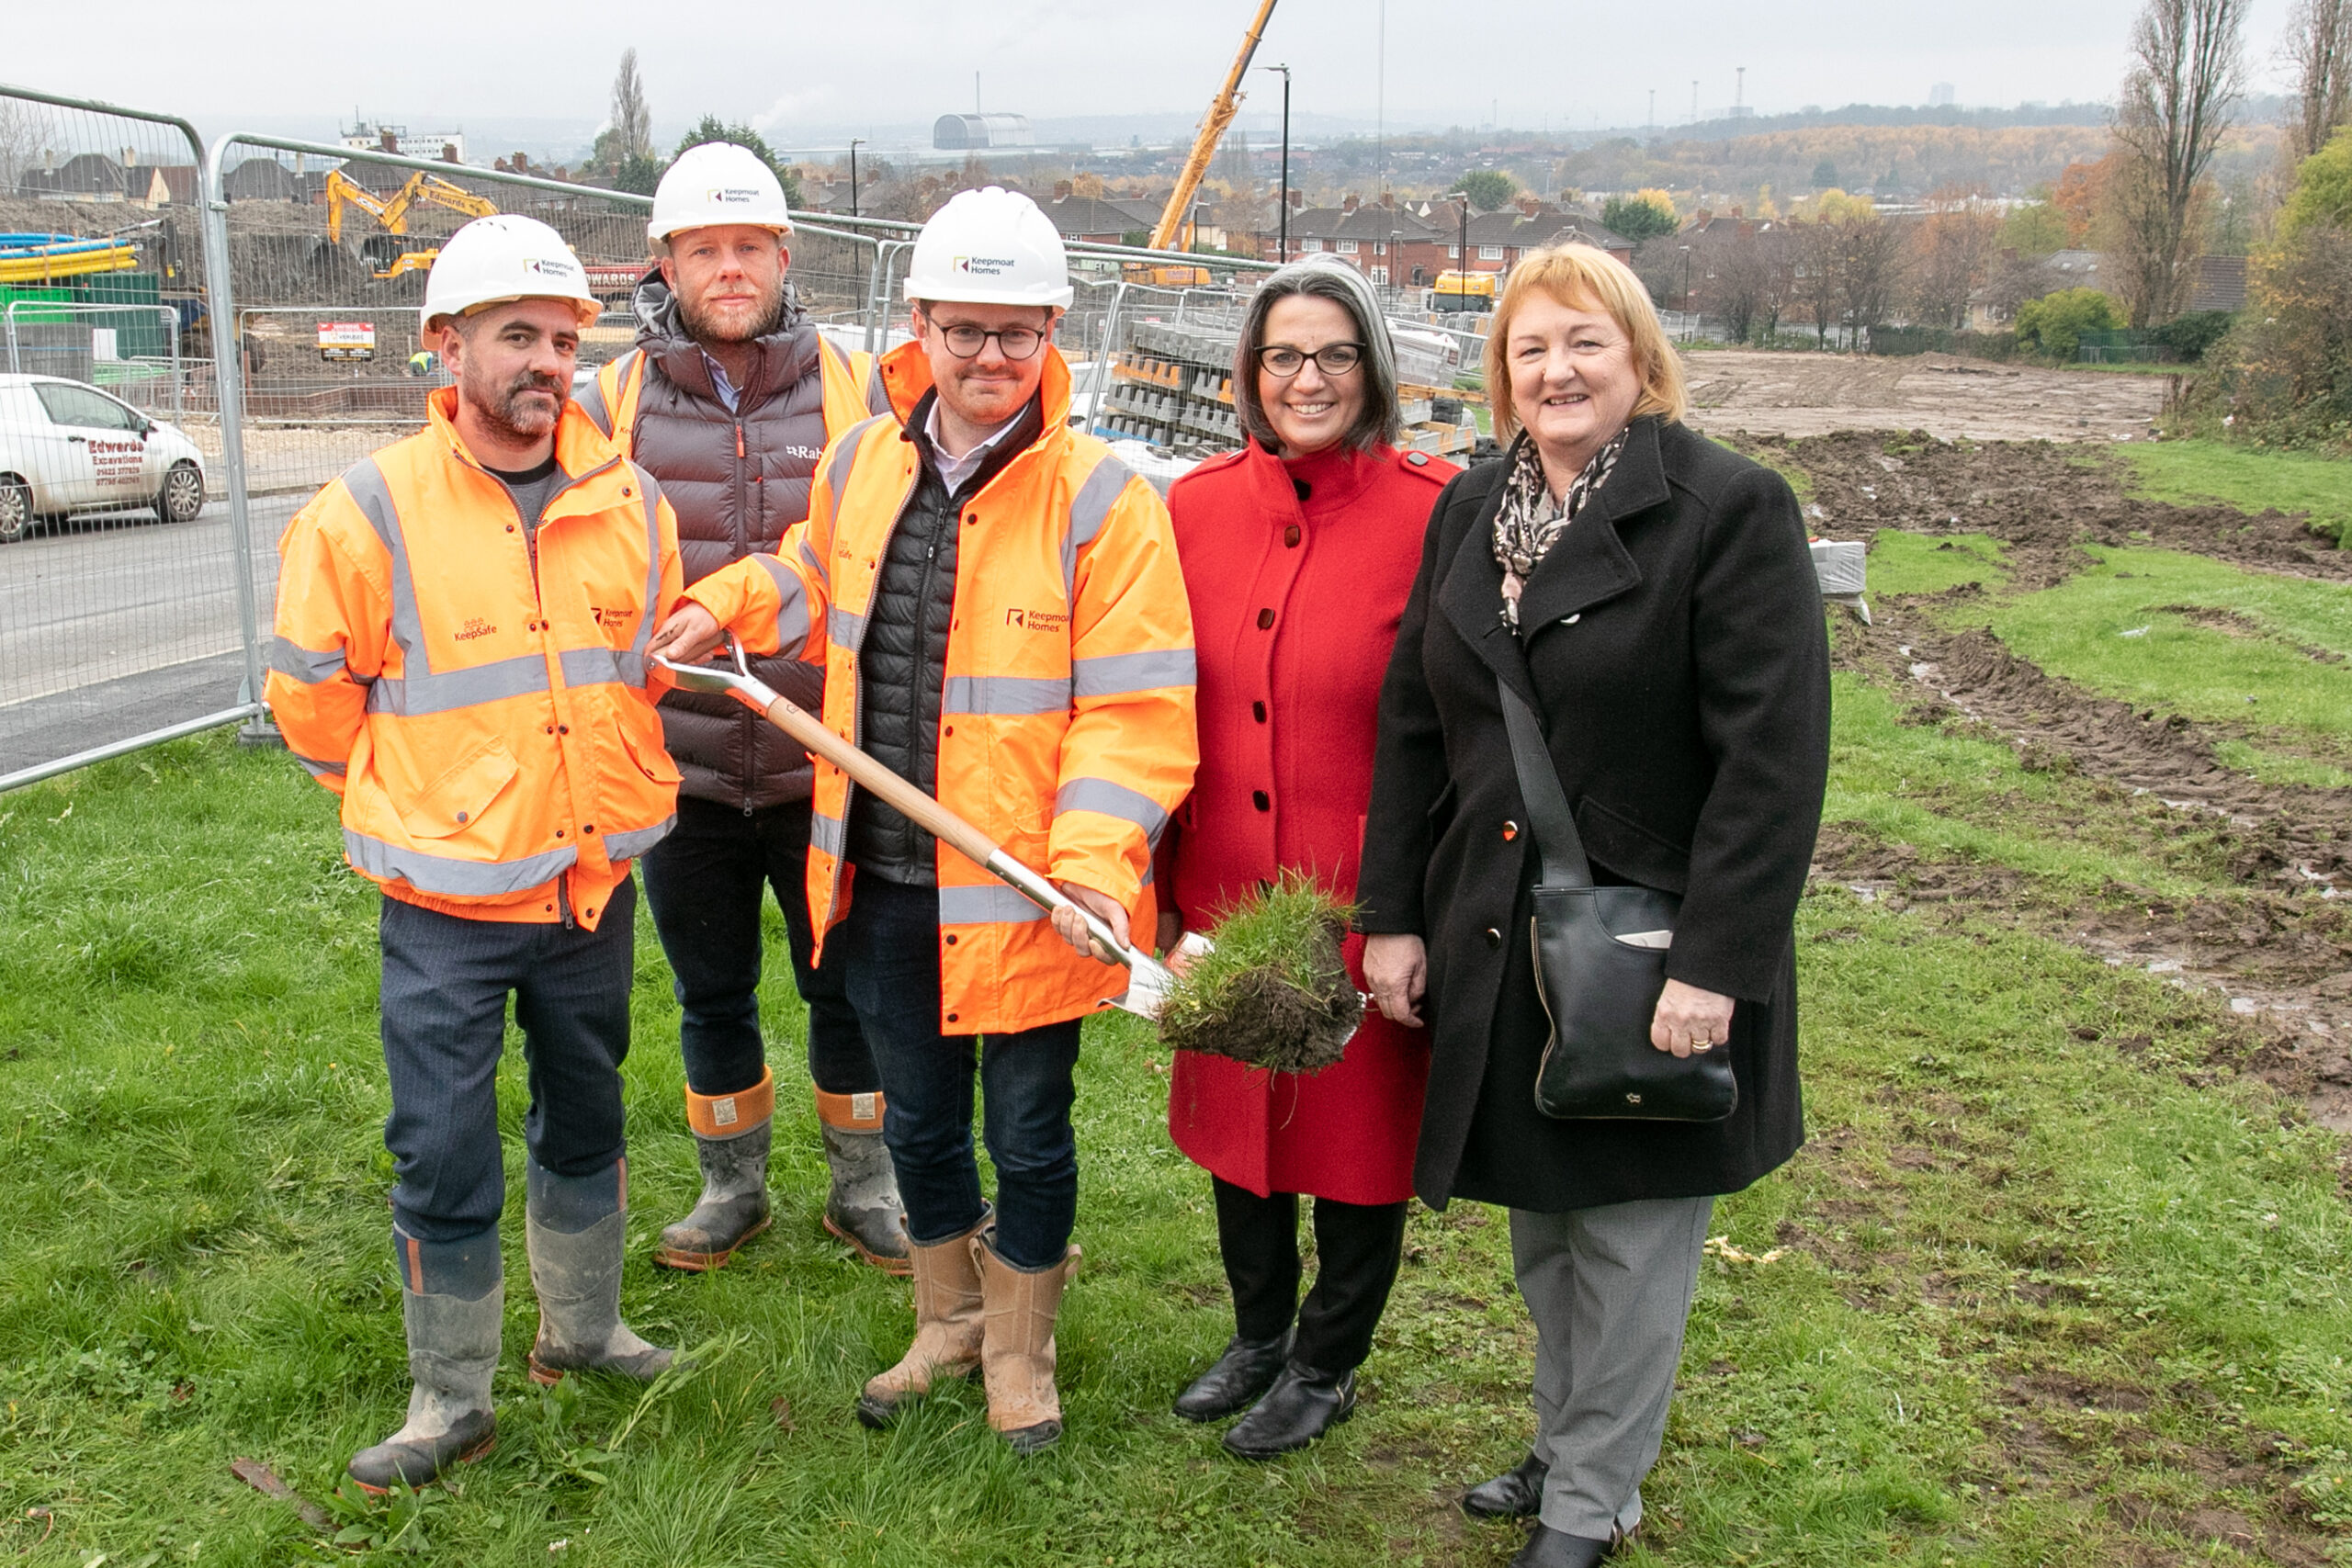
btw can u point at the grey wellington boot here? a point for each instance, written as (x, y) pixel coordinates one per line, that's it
(576, 1228)
(863, 1207)
(734, 1204)
(452, 1300)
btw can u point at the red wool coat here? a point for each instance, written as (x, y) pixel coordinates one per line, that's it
(1296, 603)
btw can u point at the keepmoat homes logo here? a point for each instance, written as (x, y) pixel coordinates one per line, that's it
(1038, 620)
(985, 266)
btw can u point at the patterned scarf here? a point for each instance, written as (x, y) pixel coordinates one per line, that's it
(1528, 524)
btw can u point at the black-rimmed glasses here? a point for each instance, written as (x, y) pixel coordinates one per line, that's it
(1331, 359)
(965, 341)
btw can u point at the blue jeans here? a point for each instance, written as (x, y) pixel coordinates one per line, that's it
(444, 1019)
(706, 883)
(889, 950)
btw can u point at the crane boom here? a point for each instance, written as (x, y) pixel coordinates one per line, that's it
(1227, 103)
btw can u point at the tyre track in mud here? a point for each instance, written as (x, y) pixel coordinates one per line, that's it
(2279, 946)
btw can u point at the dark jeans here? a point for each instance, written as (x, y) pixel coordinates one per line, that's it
(1357, 1248)
(444, 1009)
(705, 882)
(889, 950)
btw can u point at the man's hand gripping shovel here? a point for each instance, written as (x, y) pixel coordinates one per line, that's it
(1148, 979)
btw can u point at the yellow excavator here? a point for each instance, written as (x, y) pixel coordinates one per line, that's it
(392, 213)
(1227, 103)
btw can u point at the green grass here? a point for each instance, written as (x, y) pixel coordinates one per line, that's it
(1902, 563)
(2107, 627)
(2273, 767)
(2026, 1297)
(2201, 472)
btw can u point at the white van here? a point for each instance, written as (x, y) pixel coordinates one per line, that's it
(66, 447)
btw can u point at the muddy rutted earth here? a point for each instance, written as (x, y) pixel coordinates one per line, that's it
(2278, 942)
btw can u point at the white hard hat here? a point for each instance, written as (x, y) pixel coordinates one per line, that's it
(506, 257)
(718, 182)
(991, 247)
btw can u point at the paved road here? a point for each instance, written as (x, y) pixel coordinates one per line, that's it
(117, 624)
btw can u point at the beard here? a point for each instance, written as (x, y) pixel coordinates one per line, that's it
(707, 326)
(505, 408)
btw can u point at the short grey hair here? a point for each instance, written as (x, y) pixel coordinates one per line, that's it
(1322, 277)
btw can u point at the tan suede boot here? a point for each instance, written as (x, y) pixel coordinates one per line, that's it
(1017, 1350)
(947, 1327)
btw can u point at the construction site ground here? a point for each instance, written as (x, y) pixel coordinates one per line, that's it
(1784, 393)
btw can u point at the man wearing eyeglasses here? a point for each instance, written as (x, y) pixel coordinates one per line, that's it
(996, 602)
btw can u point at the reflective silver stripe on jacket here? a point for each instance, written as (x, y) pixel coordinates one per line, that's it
(792, 615)
(619, 847)
(827, 833)
(451, 878)
(320, 769)
(990, 903)
(1089, 510)
(1106, 799)
(601, 666)
(1123, 674)
(296, 662)
(843, 627)
(373, 495)
(1007, 696)
(411, 695)
(591, 402)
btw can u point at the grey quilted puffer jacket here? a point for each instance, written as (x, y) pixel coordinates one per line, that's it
(737, 481)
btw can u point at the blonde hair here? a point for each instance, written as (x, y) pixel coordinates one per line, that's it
(1586, 277)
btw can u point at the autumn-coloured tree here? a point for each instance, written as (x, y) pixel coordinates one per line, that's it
(2081, 194)
(1951, 252)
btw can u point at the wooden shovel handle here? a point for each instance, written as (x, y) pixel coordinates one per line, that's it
(901, 796)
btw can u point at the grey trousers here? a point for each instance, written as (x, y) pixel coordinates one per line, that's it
(1610, 1290)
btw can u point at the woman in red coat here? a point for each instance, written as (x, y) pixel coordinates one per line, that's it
(1298, 553)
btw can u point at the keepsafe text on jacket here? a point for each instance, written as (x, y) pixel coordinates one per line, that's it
(490, 728)
(1065, 724)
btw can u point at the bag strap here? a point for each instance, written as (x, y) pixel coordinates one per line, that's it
(1548, 817)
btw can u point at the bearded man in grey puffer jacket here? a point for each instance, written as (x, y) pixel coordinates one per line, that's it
(729, 399)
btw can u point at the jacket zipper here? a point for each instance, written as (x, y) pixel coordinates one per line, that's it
(746, 722)
(857, 691)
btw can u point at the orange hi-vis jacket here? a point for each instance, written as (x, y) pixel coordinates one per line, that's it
(490, 727)
(1066, 725)
(611, 401)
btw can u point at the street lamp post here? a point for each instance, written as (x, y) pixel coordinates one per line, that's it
(855, 142)
(1686, 292)
(1462, 256)
(1281, 197)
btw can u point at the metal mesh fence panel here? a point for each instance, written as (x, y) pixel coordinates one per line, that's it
(119, 616)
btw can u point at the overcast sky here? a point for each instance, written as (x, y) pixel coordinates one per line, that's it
(797, 68)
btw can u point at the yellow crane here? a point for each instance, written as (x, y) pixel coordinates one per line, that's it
(392, 212)
(1222, 110)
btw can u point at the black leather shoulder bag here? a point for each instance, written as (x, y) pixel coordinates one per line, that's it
(1600, 989)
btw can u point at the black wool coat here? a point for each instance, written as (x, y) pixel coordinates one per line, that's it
(1673, 643)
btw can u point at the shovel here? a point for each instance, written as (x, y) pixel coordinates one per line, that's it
(1148, 979)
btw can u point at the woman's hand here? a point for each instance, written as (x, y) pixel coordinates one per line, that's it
(1397, 969)
(1689, 1019)
(1171, 932)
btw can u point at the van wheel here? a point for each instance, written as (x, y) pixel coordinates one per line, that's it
(15, 508)
(182, 496)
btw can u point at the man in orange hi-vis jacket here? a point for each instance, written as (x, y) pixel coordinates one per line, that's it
(463, 621)
(996, 601)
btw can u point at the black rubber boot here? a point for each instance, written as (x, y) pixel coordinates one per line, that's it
(1246, 1369)
(576, 1229)
(1514, 1495)
(1548, 1548)
(734, 1205)
(1302, 1405)
(863, 1207)
(452, 1355)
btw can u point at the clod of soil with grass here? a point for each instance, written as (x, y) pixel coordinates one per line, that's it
(1273, 992)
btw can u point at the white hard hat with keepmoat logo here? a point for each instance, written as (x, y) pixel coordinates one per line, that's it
(990, 247)
(716, 183)
(503, 257)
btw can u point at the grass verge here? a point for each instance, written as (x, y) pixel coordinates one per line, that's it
(2199, 472)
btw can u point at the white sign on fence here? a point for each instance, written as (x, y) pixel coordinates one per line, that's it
(346, 340)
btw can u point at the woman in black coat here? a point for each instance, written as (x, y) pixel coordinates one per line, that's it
(1651, 596)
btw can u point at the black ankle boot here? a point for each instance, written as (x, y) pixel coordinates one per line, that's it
(1302, 1405)
(1514, 1495)
(1548, 1548)
(1247, 1369)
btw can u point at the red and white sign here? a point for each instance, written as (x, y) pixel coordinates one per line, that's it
(346, 340)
